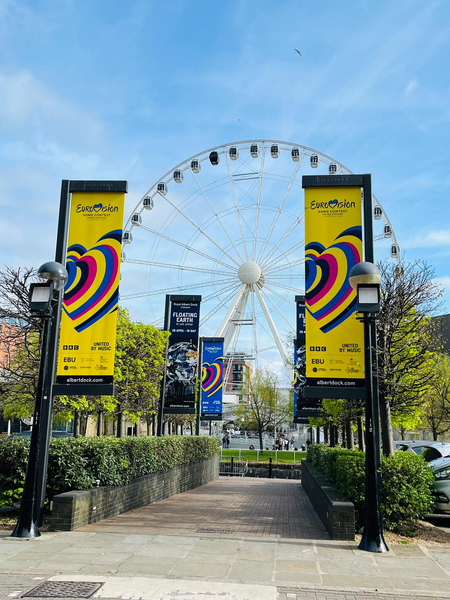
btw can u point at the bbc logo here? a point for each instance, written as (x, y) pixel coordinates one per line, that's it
(71, 347)
(317, 348)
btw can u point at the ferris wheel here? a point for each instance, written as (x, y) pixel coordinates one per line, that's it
(227, 223)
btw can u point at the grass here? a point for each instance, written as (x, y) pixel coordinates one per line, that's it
(264, 455)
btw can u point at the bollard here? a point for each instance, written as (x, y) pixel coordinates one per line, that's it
(270, 467)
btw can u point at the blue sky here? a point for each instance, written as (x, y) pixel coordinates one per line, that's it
(127, 90)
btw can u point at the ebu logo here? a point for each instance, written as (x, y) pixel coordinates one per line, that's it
(332, 204)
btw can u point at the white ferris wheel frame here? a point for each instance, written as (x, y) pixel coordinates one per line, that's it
(235, 315)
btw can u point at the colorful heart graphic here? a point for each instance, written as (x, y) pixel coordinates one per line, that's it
(329, 297)
(98, 207)
(333, 203)
(92, 288)
(212, 376)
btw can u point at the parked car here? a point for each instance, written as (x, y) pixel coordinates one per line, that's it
(441, 485)
(428, 450)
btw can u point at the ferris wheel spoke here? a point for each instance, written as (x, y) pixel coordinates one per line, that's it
(258, 203)
(206, 235)
(190, 248)
(281, 241)
(215, 212)
(221, 303)
(285, 254)
(280, 209)
(238, 213)
(255, 337)
(289, 288)
(150, 263)
(173, 289)
(295, 276)
(278, 310)
(273, 329)
(284, 298)
(287, 265)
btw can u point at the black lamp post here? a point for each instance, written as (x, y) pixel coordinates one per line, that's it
(365, 278)
(54, 277)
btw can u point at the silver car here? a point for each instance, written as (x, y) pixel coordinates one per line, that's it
(430, 451)
(441, 485)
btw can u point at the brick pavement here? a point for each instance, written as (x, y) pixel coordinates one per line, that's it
(243, 507)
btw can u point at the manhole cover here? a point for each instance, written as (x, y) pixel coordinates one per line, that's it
(63, 589)
(215, 531)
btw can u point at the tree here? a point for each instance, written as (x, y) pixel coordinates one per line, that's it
(265, 408)
(405, 342)
(437, 399)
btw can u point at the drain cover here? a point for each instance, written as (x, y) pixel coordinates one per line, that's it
(63, 589)
(216, 530)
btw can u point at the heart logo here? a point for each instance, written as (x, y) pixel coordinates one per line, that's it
(98, 207)
(92, 288)
(333, 203)
(212, 376)
(329, 297)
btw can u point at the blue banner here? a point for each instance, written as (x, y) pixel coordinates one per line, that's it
(212, 379)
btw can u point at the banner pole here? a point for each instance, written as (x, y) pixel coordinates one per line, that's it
(159, 430)
(199, 386)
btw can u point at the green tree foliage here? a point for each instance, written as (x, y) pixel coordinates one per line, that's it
(265, 408)
(405, 342)
(436, 410)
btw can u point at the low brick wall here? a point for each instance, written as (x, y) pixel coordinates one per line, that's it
(335, 511)
(278, 471)
(77, 508)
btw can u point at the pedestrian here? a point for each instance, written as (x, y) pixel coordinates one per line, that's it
(292, 440)
(308, 442)
(224, 441)
(228, 441)
(303, 447)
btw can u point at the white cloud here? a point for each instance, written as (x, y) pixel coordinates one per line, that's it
(433, 239)
(412, 85)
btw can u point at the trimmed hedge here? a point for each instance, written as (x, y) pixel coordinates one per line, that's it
(75, 463)
(406, 482)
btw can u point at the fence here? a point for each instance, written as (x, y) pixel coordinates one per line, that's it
(234, 466)
(256, 455)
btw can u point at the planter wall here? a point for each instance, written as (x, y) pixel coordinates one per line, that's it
(335, 511)
(77, 508)
(278, 471)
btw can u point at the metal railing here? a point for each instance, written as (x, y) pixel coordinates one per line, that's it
(275, 454)
(233, 466)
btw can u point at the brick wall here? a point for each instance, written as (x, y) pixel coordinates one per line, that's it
(77, 508)
(335, 511)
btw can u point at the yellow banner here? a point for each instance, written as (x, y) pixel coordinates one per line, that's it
(333, 245)
(89, 317)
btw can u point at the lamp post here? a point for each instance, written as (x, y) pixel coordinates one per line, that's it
(54, 277)
(365, 278)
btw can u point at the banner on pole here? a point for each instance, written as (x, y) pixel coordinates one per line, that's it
(182, 355)
(90, 302)
(333, 245)
(212, 379)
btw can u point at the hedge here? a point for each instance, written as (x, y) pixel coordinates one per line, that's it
(406, 482)
(76, 463)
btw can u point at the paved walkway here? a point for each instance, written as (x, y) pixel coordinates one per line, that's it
(238, 507)
(176, 562)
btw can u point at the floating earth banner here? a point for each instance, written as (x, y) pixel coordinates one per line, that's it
(333, 245)
(89, 318)
(212, 379)
(182, 357)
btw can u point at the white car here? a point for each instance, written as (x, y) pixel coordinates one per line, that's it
(441, 485)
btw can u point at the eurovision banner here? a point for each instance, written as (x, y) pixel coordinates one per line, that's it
(212, 379)
(333, 245)
(90, 302)
(182, 356)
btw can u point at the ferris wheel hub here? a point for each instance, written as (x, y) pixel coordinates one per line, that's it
(249, 272)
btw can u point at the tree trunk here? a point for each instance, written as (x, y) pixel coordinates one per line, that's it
(387, 436)
(332, 436)
(344, 444)
(76, 424)
(99, 423)
(318, 435)
(119, 425)
(435, 435)
(349, 434)
(260, 434)
(325, 434)
(361, 444)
